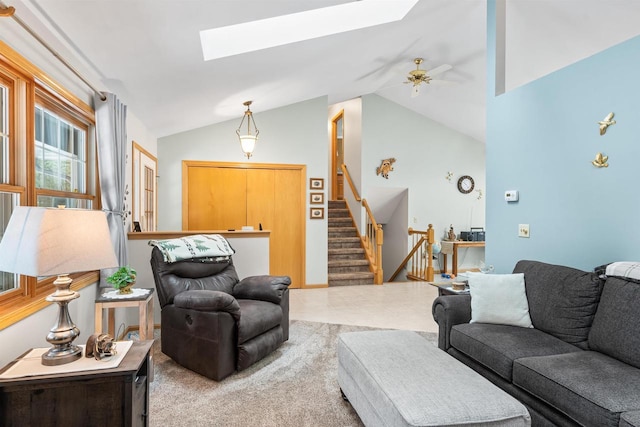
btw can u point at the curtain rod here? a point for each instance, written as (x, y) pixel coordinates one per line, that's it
(10, 12)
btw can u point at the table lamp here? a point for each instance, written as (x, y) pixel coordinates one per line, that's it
(57, 242)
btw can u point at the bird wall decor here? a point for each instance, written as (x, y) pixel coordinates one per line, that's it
(600, 161)
(604, 124)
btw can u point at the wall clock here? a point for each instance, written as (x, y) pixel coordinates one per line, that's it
(465, 184)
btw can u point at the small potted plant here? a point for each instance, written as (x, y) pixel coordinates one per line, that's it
(123, 279)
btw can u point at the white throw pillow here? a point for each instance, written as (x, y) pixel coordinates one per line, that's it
(500, 299)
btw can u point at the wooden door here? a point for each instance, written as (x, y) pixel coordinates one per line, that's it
(285, 257)
(260, 202)
(224, 196)
(337, 156)
(216, 198)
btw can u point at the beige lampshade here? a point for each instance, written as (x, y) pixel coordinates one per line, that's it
(49, 242)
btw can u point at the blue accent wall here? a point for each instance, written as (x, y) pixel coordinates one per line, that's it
(541, 139)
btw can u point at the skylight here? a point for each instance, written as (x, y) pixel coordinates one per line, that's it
(280, 30)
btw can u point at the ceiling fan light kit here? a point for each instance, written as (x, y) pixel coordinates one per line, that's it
(419, 76)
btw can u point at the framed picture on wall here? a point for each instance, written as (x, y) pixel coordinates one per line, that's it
(316, 213)
(316, 198)
(316, 183)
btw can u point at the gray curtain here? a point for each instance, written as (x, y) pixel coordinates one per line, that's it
(111, 134)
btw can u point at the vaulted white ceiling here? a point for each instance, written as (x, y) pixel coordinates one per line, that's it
(149, 53)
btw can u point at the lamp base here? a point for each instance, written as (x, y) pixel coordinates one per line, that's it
(61, 355)
(63, 333)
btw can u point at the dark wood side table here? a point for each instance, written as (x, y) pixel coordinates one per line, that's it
(107, 397)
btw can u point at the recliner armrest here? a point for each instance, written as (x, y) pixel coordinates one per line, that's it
(204, 300)
(450, 310)
(262, 288)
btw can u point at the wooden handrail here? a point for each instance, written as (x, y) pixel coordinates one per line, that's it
(418, 272)
(350, 181)
(373, 237)
(373, 241)
(369, 213)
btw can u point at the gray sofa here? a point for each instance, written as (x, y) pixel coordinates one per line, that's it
(578, 365)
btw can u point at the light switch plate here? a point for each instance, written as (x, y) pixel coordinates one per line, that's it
(523, 230)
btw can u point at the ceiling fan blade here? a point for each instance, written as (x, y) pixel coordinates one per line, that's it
(437, 82)
(439, 70)
(415, 91)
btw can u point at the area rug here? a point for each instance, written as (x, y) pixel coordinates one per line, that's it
(296, 385)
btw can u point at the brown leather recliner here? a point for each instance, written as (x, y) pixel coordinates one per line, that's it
(212, 322)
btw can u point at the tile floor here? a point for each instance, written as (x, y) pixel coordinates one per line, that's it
(397, 305)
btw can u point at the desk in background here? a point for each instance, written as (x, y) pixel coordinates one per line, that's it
(451, 248)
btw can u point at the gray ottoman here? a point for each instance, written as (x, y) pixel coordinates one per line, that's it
(397, 378)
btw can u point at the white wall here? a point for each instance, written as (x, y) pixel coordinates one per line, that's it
(294, 134)
(352, 138)
(352, 129)
(424, 151)
(395, 229)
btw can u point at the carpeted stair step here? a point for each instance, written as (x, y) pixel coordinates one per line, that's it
(350, 279)
(342, 232)
(348, 266)
(342, 221)
(339, 213)
(342, 254)
(347, 262)
(344, 242)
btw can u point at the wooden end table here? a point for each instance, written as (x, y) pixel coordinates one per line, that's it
(145, 313)
(144, 303)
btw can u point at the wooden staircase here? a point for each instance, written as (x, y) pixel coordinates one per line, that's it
(347, 262)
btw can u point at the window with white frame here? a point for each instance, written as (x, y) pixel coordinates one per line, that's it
(60, 161)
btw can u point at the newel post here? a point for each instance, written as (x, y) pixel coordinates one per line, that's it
(378, 277)
(430, 241)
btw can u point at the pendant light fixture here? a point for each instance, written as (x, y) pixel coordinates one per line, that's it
(248, 139)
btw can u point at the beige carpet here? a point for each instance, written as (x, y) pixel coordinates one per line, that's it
(294, 386)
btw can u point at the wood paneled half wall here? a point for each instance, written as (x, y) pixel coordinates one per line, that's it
(228, 196)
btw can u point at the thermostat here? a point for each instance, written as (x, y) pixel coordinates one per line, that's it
(511, 195)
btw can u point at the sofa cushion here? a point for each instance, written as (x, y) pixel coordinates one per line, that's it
(586, 386)
(500, 299)
(562, 300)
(257, 317)
(616, 326)
(630, 419)
(497, 346)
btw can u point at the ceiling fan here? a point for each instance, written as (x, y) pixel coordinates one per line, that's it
(419, 76)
